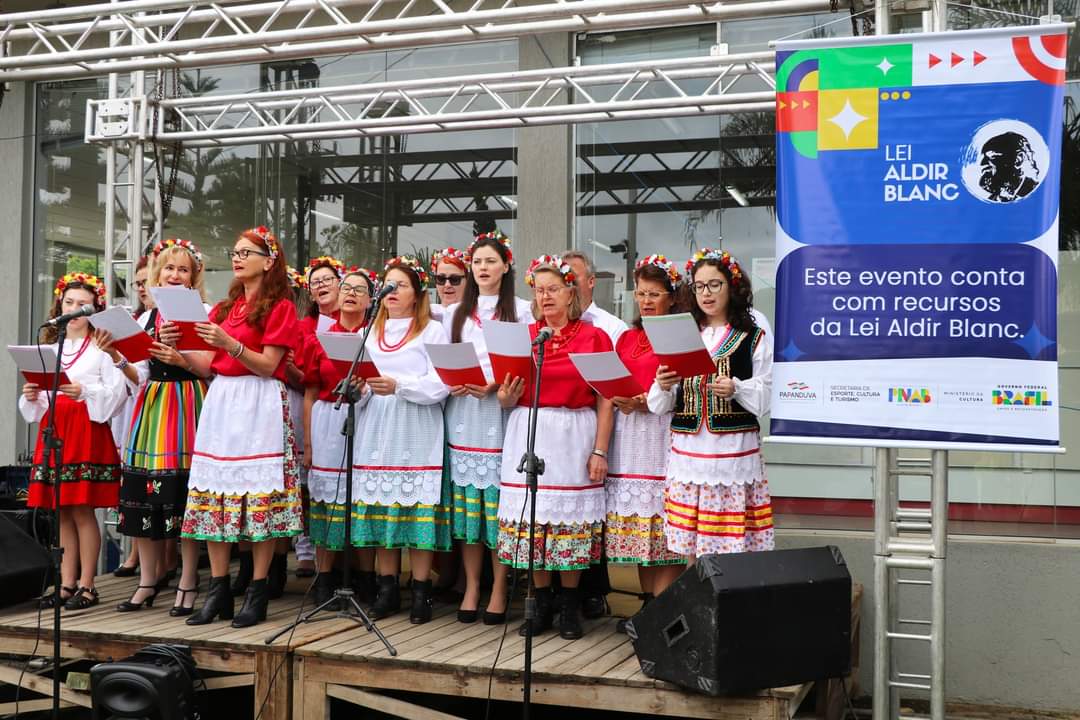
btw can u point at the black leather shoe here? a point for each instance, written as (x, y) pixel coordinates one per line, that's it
(323, 590)
(422, 600)
(594, 606)
(243, 576)
(278, 576)
(570, 617)
(219, 603)
(545, 614)
(254, 609)
(363, 585)
(388, 597)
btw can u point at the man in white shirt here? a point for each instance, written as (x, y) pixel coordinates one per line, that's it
(594, 583)
(585, 281)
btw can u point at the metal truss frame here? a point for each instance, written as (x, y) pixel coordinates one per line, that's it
(574, 94)
(132, 35)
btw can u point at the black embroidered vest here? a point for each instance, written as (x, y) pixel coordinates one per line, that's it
(163, 372)
(734, 359)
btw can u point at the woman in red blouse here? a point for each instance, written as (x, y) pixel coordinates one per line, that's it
(243, 482)
(572, 433)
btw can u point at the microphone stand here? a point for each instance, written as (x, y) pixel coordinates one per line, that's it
(533, 468)
(344, 599)
(53, 459)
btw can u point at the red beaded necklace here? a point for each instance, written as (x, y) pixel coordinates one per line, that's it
(400, 343)
(565, 337)
(65, 364)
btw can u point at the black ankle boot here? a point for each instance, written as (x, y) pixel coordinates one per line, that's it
(323, 590)
(545, 612)
(388, 597)
(421, 602)
(243, 577)
(279, 573)
(570, 615)
(254, 609)
(219, 603)
(363, 583)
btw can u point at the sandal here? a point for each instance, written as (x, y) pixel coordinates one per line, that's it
(182, 609)
(126, 571)
(83, 598)
(48, 601)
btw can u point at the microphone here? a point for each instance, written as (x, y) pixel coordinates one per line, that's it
(84, 311)
(543, 335)
(386, 290)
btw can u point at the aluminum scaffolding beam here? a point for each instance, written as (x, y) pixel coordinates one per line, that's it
(514, 99)
(156, 34)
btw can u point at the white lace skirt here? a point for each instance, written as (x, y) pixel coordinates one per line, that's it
(399, 456)
(637, 464)
(706, 458)
(564, 440)
(326, 478)
(474, 430)
(239, 444)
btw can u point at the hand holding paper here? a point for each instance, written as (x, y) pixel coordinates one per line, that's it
(184, 307)
(128, 338)
(677, 342)
(510, 349)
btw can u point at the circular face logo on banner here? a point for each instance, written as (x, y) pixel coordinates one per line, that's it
(1005, 162)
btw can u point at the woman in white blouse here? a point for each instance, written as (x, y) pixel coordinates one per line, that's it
(89, 469)
(400, 501)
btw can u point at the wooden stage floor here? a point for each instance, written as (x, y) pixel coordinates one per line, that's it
(296, 676)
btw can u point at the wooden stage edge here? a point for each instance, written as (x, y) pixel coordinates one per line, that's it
(295, 677)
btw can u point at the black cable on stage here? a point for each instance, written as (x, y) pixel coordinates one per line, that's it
(33, 651)
(311, 585)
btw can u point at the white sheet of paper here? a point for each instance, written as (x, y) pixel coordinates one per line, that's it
(324, 324)
(117, 321)
(507, 338)
(179, 304)
(342, 346)
(672, 334)
(599, 366)
(453, 356)
(27, 359)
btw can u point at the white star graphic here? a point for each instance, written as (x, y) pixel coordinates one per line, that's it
(885, 66)
(847, 119)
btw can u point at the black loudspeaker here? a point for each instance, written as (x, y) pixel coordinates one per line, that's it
(749, 621)
(156, 683)
(24, 564)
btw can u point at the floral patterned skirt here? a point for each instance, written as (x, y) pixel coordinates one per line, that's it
(706, 519)
(636, 540)
(565, 546)
(253, 516)
(476, 515)
(89, 465)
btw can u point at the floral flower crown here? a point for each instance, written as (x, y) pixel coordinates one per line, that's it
(494, 235)
(92, 281)
(721, 256)
(549, 261)
(411, 263)
(296, 279)
(327, 261)
(372, 278)
(183, 245)
(264, 234)
(450, 255)
(660, 261)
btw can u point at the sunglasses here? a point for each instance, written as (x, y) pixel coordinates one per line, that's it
(454, 280)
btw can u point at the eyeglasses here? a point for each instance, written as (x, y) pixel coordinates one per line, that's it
(552, 291)
(244, 254)
(325, 282)
(140, 284)
(454, 280)
(713, 286)
(649, 294)
(358, 290)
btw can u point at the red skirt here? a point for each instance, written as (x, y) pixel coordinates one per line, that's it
(89, 466)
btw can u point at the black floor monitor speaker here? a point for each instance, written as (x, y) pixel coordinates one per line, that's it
(748, 621)
(24, 564)
(156, 683)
